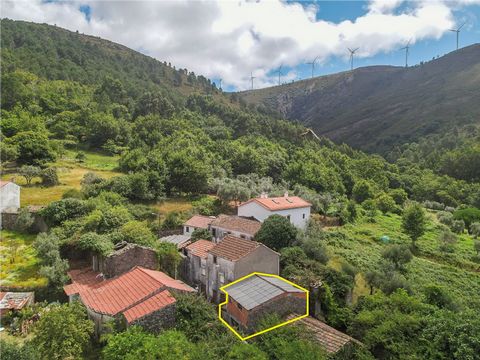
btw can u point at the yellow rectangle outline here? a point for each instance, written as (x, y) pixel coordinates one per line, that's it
(243, 338)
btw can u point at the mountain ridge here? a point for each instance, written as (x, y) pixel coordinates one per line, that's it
(375, 108)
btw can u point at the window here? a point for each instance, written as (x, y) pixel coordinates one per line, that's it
(214, 259)
(304, 216)
(187, 229)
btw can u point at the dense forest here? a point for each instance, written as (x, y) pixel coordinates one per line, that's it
(176, 135)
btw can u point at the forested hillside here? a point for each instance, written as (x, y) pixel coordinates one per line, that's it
(375, 108)
(398, 263)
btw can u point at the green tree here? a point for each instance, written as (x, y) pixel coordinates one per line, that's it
(80, 157)
(33, 148)
(414, 221)
(467, 215)
(399, 196)
(129, 344)
(29, 172)
(168, 258)
(199, 233)
(458, 226)
(362, 190)
(385, 203)
(137, 232)
(63, 332)
(277, 232)
(439, 296)
(398, 256)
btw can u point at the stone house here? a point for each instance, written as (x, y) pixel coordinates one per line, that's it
(293, 208)
(197, 222)
(139, 296)
(234, 258)
(237, 226)
(196, 259)
(125, 257)
(259, 295)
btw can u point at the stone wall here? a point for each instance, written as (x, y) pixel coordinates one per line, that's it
(281, 306)
(126, 258)
(157, 321)
(9, 218)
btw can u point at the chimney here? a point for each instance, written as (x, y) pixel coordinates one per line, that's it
(285, 194)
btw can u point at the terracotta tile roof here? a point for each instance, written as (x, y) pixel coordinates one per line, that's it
(154, 303)
(280, 203)
(3, 183)
(329, 338)
(167, 280)
(237, 223)
(115, 295)
(200, 248)
(233, 248)
(14, 300)
(199, 221)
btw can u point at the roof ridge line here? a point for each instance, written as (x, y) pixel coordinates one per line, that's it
(262, 276)
(146, 297)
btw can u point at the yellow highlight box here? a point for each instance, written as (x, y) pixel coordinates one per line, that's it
(243, 338)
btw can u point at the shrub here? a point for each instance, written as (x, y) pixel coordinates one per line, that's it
(49, 177)
(172, 221)
(445, 218)
(433, 205)
(59, 211)
(447, 240)
(73, 194)
(474, 229)
(24, 221)
(199, 233)
(398, 255)
(458, 226)
(207, 205)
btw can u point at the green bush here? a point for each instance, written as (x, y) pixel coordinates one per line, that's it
(468, 215)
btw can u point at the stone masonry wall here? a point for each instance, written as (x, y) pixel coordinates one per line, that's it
(128, 257)
(282, 306)
(158, 320)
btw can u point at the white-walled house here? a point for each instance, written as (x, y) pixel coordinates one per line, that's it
(197, 222)
(294, 208)
(9, 195)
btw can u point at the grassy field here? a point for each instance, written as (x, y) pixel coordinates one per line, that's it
(70, 173)
(360, 245)
(19, 264)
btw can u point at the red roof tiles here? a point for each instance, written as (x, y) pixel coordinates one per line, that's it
(233, 248)
(237, 223)
(3, 183)
(280, 203)
(199, 221)
(329, 338)
(118, 294)
(154, 303)
(200, 248)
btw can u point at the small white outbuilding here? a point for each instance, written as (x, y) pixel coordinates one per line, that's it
(9, 195)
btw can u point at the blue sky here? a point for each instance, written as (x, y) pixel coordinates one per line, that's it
(337, 11)
(232, 39)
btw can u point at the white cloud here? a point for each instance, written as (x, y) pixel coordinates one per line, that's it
(228, 40)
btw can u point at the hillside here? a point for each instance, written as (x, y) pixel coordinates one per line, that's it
(54, 53)
(374, 108)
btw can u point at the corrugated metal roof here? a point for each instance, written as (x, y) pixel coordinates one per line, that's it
(179, 239)
(256, 290)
